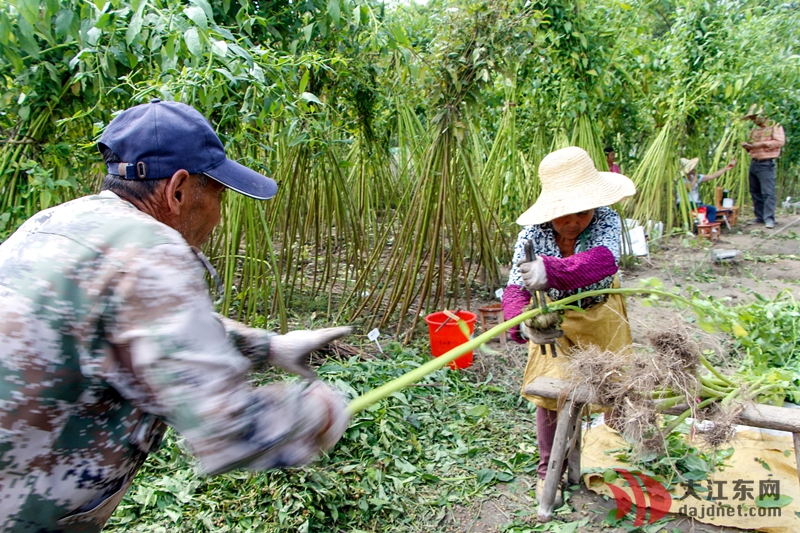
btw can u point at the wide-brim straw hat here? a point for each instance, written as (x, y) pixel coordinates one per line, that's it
(754, 111)
(687, 165)
(571, 184)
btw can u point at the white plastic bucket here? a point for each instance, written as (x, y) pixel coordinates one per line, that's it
(727, 202)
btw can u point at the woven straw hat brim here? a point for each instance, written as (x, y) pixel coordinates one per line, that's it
(569, 197)
(687, 165)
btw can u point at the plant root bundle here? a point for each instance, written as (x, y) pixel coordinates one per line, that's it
(720, 427)
(641, 386)
(338, 350)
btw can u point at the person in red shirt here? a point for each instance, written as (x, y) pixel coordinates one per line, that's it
(611, 160)
(764, 147)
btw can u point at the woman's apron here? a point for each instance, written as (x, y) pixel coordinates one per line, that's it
(604, 325)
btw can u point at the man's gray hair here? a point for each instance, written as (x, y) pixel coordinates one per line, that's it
(141, 190)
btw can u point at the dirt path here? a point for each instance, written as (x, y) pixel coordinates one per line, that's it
(766, 265)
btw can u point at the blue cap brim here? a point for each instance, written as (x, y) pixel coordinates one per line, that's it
(243, 180)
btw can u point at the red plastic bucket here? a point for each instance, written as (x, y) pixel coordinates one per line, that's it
(450, 335)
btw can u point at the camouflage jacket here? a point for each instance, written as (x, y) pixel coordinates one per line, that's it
(106, 335)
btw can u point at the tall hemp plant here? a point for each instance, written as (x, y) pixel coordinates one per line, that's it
(447, 231)
(371, 280)
(231, 91)
(508, 182)
(68, 66)
(697, 91)
(338, 186)
(755, 67)
(266, 251)
(308, 241)
(54, 70)
(655, 180)
(576, 57)
(587, 135)
(315, 219)
(736, 180)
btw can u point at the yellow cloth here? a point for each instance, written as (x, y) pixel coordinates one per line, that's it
(752, 449)
(604, 325)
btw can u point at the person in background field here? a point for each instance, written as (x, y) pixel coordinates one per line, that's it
(577, 240)
(107, 335)
(692, 182)
(610, 159)
(764, 147)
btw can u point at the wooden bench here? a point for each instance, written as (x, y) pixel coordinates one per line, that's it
(568, 433)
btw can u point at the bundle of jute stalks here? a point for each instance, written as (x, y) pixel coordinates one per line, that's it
(673, 375)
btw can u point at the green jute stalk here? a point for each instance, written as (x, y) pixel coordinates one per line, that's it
(716, 373)
(683, 416)
(387, 389)
(379, 393)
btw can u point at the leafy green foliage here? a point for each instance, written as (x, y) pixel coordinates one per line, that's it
(765, 340)
(403, 460)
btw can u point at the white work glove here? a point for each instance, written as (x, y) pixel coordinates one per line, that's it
(290, 352)
(534, 276)
(541, 336)
(338, 417)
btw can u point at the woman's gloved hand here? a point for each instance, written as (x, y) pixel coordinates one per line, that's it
(290, 352)
(542, 329)
(542, 336)
(534, 275)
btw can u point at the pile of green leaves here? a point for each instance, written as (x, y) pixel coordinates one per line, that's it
(404, 460)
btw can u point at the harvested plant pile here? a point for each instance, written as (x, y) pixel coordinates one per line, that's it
(642, 387)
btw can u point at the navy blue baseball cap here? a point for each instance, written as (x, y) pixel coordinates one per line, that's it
(157, 139)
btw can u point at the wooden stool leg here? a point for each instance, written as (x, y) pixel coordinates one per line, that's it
(568, 416)
(796, 438)
(496, 319)
(502, 335)
(483, 320)
(574, 459)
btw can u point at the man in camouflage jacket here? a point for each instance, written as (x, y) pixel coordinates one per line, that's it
(107, 335)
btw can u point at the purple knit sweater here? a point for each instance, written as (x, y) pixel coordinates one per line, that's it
(579, 270)
(564, 274)
(515, 298)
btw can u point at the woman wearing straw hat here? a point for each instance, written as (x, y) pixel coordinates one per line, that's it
(577, 241)
(692, 181)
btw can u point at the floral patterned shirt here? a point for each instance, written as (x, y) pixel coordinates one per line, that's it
(605, 229)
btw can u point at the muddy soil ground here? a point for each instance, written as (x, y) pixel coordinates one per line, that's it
(768, 262)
